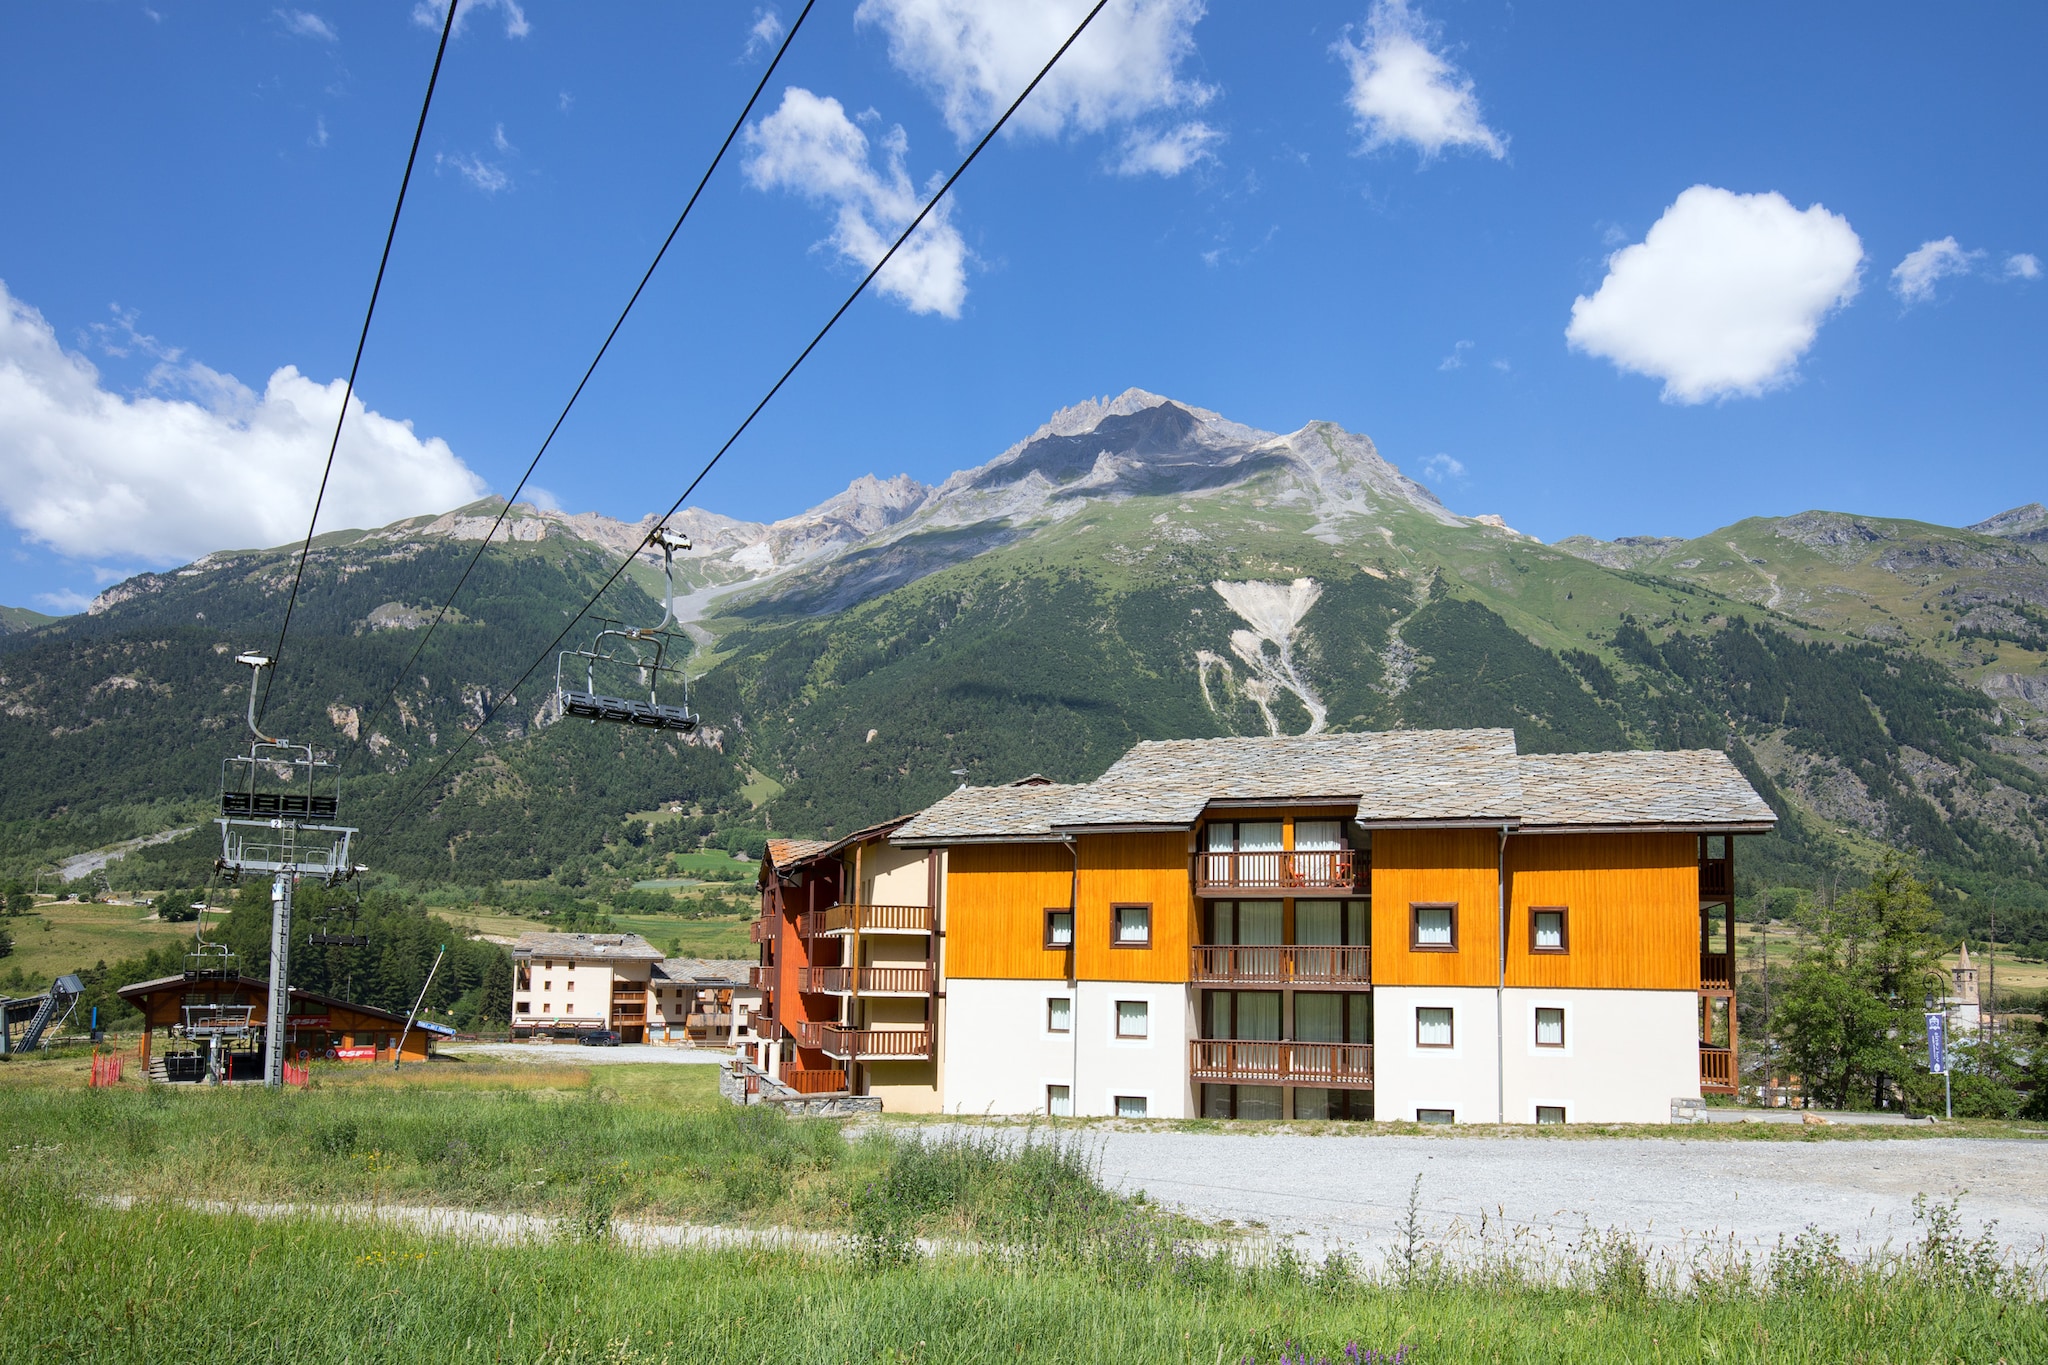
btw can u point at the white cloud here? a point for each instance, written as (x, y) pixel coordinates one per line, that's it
(1403, 90)
(197, 463)
(305, 24)
(811, 147)
(1914, 278)
(2022, 265)
(319, 134)
(64, 601)
(974, 56)
(484, 175)
(1456, 359)
(431, 14)
(1440, 468)
(1167, 152)
(542, 498)
(767, 29)
(1722, 296)
(498, 139)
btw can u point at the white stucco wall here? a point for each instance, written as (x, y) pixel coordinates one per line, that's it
(895, 876)
(999, 1057)
(1627, 1055)
(1461, 1078)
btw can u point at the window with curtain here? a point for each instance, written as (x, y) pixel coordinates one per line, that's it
(1059, 1014)
(1059, 1102)
(1332, 1017)
(1133, 925)
(1549, 1027)
(1332, 923)
(1133, 1019)
(1433, 1026)
(1253, 1016)
(1436, 927)
(1546, 930)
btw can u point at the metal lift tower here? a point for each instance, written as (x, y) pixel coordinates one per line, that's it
(276, 818)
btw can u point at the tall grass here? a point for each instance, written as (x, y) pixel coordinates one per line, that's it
(164, 1283)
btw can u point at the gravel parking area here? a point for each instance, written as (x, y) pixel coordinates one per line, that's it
(575, 1054)
(1352, 1192)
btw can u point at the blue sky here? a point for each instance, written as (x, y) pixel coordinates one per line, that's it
(1597, 268)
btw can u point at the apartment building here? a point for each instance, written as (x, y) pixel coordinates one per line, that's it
(1422, 925)
(567, 984)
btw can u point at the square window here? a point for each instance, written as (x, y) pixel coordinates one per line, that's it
(1059, 1102)
(1435, 928)
(1549, 1027)
(1550, 1113)
(1436, 1116)
(1433, 1026)
(1059, 928)
(1130, 1106)
(1059, 1015)
(1546, 930)
(1133, 1019)
(1133, 926)
(526, 1007)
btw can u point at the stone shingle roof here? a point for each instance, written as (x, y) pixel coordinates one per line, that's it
(722, 971)
(786, 853)
(1638, 787)
(587, 947)
(1012, 812)
(1391, 776)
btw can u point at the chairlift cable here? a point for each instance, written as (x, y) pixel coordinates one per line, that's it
(398, 678)
(469, 735)
(362, 339)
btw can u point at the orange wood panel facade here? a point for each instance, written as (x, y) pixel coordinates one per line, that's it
(996, 899)
(1135, 869)
(1437, 866)
(1631, 906)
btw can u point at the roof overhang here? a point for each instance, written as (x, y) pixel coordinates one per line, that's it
(947, 840)
(1155, 828)
(1731, 827)
(1507, 822)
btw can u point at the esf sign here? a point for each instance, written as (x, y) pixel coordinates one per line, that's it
(1937, 1044)
(313, 1021)
(355, 1054)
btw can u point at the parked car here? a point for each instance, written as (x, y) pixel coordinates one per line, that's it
(601, 1038)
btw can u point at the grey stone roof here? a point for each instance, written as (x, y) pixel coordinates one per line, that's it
(1389, 778)
(787, 853)
(1638, 787)
(587, 947)
(1390, 775)
(704, 971)
(996, 813)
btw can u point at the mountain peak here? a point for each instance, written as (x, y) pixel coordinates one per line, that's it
(2021, 523)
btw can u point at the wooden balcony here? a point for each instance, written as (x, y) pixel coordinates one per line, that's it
(1339, 872)
(866, 1044)
(1717, 971)
(1715, 879)
(1717, 1070)
(760, 978)
(871, 980)
(1284, 967)
(822, 1080)
(837, 920)
(1343, 1066)
(760, 931)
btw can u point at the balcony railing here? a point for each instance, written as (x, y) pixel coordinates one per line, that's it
(1717, 971)
(871, 981)
(760, 931)
(1717, 1069)
(1714, 880)
(821, 1080)
(1295, 966)
(1335, 872)
(869, 1044)
(1344, 1066)
(868, 919)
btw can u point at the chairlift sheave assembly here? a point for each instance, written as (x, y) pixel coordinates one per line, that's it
(278, 805)
(645, 650)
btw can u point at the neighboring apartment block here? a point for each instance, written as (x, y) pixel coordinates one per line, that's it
(1418, 925)
(567, 984)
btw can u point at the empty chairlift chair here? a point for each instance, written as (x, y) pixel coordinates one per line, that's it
(645, 651)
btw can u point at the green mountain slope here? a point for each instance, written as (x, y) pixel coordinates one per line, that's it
(1135, 569)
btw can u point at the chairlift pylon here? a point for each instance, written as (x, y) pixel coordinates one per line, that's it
(644, 649)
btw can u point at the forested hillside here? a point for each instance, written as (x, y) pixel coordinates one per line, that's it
(1136, 569)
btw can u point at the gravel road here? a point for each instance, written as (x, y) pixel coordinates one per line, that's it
(1352, 1192)
(575, 1054)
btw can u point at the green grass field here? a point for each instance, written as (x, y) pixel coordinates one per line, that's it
(80, 934)
(724, 936)
(1038, 1262)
